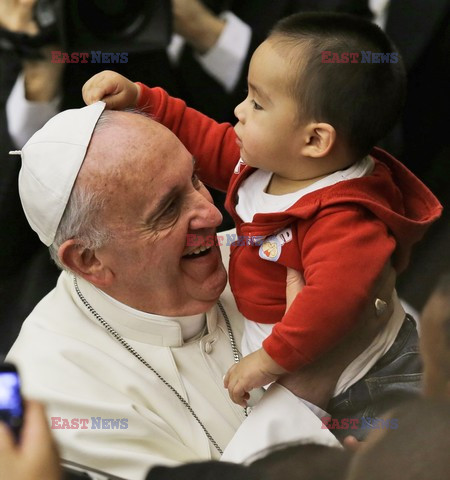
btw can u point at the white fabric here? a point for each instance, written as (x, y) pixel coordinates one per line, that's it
(225, 60)
(68, 361)
(253, 198)
(51, 160)
(191, 325)
(380, 9)
(254, 334)
(175, 48)
(25, 117)
(249, 439)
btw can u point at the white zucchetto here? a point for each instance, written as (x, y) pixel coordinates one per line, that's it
(51, 160)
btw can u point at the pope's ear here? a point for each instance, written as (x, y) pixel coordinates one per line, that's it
(319, 140)
(85, 263)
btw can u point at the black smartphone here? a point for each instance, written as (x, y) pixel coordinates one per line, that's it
(11, 402)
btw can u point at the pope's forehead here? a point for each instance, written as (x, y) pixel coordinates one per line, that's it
(125, 136)
(129, 147)
(131, 125)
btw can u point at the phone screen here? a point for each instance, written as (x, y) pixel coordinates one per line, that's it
(11, 405)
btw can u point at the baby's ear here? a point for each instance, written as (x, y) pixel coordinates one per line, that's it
(319, 140)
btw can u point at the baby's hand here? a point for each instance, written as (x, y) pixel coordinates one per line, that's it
(112, 88)
(253, 371)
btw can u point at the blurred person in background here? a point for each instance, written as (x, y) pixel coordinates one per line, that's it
(415, 446)
(435, 341)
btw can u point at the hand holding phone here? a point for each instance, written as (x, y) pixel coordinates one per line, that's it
(11, 403)
(27, 453)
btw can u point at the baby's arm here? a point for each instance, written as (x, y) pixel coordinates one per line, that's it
(212, 144)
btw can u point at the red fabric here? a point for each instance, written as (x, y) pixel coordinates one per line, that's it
(342, 236)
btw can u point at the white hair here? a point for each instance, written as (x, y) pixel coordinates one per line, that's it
(81, 221)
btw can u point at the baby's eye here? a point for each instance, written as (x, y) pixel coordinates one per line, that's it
(256, 106)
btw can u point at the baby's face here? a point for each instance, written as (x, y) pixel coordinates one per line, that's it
(269, 130)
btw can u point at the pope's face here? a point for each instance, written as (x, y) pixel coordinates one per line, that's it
(153, 201)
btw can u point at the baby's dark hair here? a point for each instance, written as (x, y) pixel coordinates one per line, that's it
(362, 101)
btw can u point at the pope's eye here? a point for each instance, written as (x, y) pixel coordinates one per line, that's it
(171, 208)
(196, 181)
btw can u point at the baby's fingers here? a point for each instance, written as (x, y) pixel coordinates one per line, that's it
(98, 86)
(114, 89)
(238, 394)
(117, 101)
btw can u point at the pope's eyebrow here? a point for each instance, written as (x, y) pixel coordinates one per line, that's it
(167, 197)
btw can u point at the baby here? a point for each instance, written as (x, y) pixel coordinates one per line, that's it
(305, 187)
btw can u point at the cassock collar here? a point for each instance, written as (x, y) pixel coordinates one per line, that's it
(131, 323)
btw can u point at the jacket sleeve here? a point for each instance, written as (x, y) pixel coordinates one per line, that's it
(343, 254)
(212, 144)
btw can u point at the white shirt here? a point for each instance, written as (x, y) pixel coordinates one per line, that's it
(254, 199)
(379, 9)
(225, 60)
